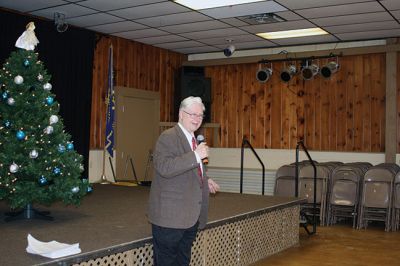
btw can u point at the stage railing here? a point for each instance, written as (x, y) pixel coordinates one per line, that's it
(314, 220)
(244, 142)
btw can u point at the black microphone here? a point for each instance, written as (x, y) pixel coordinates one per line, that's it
(200, 139)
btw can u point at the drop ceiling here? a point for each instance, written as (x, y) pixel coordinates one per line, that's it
(168, 25)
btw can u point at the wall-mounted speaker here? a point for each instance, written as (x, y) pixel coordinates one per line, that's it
(190, 81)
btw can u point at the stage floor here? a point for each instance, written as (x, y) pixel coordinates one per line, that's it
(111, 219)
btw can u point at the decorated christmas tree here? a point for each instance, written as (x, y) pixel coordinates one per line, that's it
(38, 163)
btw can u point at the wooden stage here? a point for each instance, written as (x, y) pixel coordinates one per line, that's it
(111, 228)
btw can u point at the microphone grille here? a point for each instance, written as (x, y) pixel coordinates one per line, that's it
(200, 138)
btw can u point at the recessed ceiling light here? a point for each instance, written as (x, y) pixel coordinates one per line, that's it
(204, 4)
(292, 33)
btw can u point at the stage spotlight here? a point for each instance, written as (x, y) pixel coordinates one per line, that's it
(59, 21)
(329, 69)
(264, 74)
(309, 71)
(288, 72)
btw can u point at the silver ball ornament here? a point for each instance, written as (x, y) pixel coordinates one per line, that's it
(48, 130)
(10, 101)
(40, 77)
(14, 168)
(75, 189)
(47, 86)
(33, 154)
(18, 80)
(53, 119)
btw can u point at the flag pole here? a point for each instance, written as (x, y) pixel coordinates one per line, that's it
(110, 95)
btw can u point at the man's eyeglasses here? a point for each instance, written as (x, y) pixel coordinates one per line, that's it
(194, 115)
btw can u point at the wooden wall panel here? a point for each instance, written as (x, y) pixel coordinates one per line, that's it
(343, 113)
(137, 66)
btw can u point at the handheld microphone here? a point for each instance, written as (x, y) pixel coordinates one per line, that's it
(200, 139)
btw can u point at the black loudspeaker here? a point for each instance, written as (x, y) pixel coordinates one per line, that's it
(190, 81)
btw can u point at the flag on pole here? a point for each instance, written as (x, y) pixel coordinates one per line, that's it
(110, 107)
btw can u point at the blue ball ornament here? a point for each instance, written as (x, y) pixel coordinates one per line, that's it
(20, 135)
(56, 170)
(4, 95)
(42, 180)
(26, 63)
(89, 189)
(7, 124)
(61, 148)
(70, 146)
(49, 100)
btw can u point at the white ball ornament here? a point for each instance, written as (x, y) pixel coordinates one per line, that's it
(10, 101)
(75, 189)
(40, 77)
(47, 86)
(14, 168)
(48, 130)
(18, 80)
(33, 154)
(53, 119)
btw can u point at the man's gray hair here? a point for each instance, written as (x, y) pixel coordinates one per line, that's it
(191, 100)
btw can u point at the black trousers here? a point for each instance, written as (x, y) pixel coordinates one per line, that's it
(173, 246)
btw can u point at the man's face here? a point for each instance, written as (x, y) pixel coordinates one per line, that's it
(191, 117)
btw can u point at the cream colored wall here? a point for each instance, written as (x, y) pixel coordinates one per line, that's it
(230, 158)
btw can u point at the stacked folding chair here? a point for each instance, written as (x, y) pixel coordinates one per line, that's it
(377, 195)
(306, 189)
(396, 203)
(346, 187)
(285, 181)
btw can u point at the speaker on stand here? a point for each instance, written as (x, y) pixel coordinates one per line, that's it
(190, 81)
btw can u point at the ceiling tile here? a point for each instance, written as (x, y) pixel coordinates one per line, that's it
(203, 49)
(173, 19)
(352, 19)
(117, 27)
(391, 4)
(271, 27)
(235, 39)
(70, 11)
(93, 19)
(250, 45)
(243, 9)
(396, 14)
(162, 39)
(367, 35)
(104, 5)
(226, 33)
(150, 10)
(349, 9)
(302, 4)
(307, 40)
(371, 26)
(184, 44)
(23, 6)
(197, 26)
(234, 22)
(138, 34)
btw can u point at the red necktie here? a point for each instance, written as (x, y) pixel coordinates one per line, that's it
(194, 146)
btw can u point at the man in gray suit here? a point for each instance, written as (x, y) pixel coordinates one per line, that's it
(178, 203)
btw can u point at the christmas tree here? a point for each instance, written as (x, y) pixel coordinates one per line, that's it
(38, 163)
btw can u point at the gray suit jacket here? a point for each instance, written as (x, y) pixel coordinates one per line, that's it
(177, 199)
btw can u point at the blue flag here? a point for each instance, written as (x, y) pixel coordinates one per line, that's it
(110, 107)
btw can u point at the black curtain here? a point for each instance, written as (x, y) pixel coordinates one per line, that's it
(68, 58)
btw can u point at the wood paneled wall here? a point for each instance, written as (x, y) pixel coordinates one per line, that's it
(137, 66)
(343, 113)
